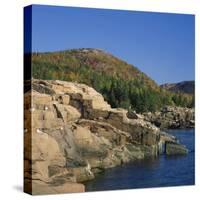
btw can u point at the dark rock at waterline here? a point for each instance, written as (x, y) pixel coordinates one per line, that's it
(175, 149)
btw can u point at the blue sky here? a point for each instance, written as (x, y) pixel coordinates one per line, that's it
(159, 44)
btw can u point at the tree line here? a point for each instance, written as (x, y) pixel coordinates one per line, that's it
(129, 94)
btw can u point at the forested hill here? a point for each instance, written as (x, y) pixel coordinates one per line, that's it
(121, 84)
(91, 59)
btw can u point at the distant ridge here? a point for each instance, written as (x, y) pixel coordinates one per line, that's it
(183, 87)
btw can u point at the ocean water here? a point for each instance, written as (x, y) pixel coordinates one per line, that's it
(160, 172)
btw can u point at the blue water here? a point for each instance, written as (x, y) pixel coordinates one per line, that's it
(159, 172)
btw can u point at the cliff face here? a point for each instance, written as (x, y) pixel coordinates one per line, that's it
(71, 134)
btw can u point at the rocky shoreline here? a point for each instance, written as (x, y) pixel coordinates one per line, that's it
(172, 118)
(71, 134)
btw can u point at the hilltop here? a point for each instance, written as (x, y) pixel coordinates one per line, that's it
(121, 84)
(97, 60)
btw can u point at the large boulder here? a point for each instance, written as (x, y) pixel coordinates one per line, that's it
(47, 165)
(44, 153)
